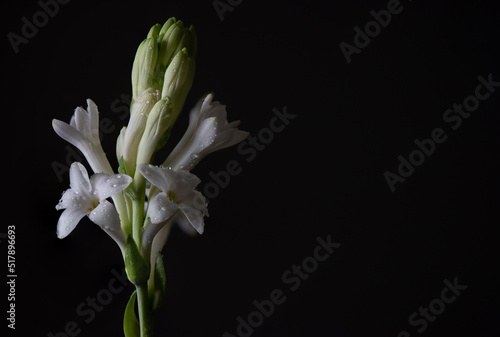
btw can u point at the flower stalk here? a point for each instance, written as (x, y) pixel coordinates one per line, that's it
(139, 220)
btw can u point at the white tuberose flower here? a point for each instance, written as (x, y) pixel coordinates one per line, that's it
(83, 132)
(178, 193)
(88, 197)
(208, 131)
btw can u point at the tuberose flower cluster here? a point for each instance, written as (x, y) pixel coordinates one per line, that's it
(138, 204)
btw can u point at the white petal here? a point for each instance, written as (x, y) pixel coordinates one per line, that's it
(199, 202)
(157, 246)
(161, 208)
(205, 135)
(81, 122)
(68, 221)
(72, 199)
(188, 136)
(226, 139)
(69, 133)
(194, 216)
(156, 176)
(185, 225)
(119, 143)
(93, 119)
(106, 217)
(105, 185)
(184, 184)
(159, 241)
(79, 178)
(151, 231)
(218, 111)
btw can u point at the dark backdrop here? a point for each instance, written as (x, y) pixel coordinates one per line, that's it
(320, 178)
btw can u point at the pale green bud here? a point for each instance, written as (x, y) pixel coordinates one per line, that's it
(154, 31)
(166, 26)
(136, 267)
(158, 122)
(178, 80)
(155, 54)
(169, 42)
(143, 70)
(138, 117)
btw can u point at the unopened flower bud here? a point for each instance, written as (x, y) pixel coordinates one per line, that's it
(178, 80)
(158, 122)
(143, 70)
(132, 134)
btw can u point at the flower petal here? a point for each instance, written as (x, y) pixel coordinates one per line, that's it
(184, 225)
(106, 185)
(93, 120)
(80, 121)
(193, 216)
(68, 221)
(161, 208)
(106, 217)
(156, 176)
(159, 242)
(72, 199)
(68, 133)
(79, 178)
(184, 184)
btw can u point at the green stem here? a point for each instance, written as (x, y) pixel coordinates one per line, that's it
(145, 316)
(137, 220)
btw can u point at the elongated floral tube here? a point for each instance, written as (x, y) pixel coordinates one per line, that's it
(133, 133)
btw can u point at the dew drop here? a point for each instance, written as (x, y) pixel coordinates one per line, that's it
(194, 156)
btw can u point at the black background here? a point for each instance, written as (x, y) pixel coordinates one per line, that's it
(322, 175)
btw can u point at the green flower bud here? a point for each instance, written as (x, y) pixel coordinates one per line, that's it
(136, 267)
(157, 52)
(166, 26)
(178, 80)
(158, 122)
(143, 70)
(132, 134)
(154, 31)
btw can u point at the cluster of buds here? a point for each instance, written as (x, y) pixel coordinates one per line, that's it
(162, 75)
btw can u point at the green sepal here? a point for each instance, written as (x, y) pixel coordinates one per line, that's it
(136, 267)
(130, 324)
(122, 169)
(158, 293)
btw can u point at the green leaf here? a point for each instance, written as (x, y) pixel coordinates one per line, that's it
(160, 284)
(136, 267)
(130, 324)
